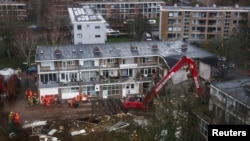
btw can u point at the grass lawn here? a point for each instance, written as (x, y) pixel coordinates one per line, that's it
(12, 62)
(117, 39)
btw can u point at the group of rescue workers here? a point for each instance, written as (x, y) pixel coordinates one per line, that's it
(74, 102)
(14, 118)
(47, 100)
(32, 97)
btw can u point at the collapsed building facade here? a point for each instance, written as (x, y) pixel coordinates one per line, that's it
(230, 101)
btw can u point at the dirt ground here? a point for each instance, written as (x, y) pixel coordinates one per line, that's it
(64, 119)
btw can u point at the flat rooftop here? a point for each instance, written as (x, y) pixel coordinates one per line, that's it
(84, 14)
(238, 89)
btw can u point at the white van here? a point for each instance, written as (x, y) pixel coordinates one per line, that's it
(147, 37)
(152, 21)
(112, 32)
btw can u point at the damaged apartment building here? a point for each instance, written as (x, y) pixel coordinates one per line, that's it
(113, 70)
(230, 101)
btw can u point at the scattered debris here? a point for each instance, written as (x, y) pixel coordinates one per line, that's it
(34, 124)
(140, 120)
(12, 135)
(52, 132)
(47, 138)
(82, 131)
(118, 125)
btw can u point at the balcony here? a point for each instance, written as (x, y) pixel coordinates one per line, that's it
(86, 67)
(109, 65)
(149, 64)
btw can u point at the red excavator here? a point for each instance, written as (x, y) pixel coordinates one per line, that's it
(140, 103)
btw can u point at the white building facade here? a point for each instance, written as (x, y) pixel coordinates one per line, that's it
(88, 27)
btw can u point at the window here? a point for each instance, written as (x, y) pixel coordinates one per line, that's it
(20, 7)
(45, 78)
(127, 72)
(45, 64)
(74, 89)
(174, 28)
(63, 75)
(90, 90)
(79, 36)
(97, 36)
(241, 108)
(132, 86)
(203, 127)
(89, 76)
(149, 59)
(71, 62)
(89, 63)
(111, 60)
(170, 28)
(73, 76)
(173, 14)
(128, 61)
(170, 14)
(79, 27)
(124, 72)
(112, 89)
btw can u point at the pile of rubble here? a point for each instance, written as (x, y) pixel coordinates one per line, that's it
(59, 129)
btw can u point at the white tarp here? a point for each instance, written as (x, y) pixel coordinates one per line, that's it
(35, 124)
(7, 72)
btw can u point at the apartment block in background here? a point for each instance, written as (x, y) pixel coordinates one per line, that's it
(125, 9)
(13, 9)
(201, 23)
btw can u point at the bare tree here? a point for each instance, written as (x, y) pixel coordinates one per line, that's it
(26, 44)
(138, 27)
(9, 27)
(54, 22)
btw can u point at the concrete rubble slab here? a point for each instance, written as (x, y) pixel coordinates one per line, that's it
(118, 125)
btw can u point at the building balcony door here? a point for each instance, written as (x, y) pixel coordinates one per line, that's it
(64, 65)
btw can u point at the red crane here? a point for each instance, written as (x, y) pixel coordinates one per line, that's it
(139, 103)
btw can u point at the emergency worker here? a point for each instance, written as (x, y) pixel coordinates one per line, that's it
(16, 118)
(80, 97)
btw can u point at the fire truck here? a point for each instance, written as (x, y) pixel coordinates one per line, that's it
(141, 103)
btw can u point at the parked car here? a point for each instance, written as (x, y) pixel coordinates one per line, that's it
(32, 69)
(112, 31)
(147, 36)
(128, 21)
(152, 21)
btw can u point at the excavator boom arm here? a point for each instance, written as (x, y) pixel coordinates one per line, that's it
(184, 61)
